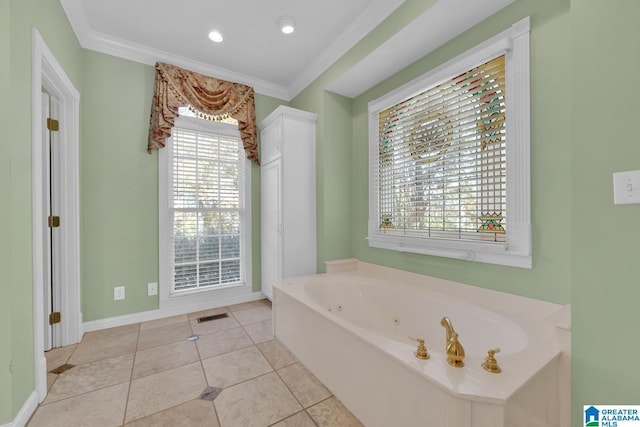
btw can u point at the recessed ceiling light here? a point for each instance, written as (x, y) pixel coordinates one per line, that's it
(286, 24)
(216, 36)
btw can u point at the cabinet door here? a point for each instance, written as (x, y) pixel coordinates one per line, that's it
(271, 225)
(271, 142)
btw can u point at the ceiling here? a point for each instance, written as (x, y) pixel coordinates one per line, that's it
(254, 51)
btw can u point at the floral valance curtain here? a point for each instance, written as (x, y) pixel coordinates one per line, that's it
(176, 87)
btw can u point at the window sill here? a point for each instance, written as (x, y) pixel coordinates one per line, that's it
(500, 255)
(206, 298)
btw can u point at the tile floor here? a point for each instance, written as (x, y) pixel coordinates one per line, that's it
(149, 374)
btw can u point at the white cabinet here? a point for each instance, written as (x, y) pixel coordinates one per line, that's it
(288, 195)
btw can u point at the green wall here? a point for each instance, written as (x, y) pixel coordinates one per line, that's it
(119, 187)
(582, 132)
(334, 149)
(18, 19)
(343, 154)
(583, 245)
(606, 289)
(6, 322)
(550, 277)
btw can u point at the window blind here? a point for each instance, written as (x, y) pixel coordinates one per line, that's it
(206, 209)
(442, 159)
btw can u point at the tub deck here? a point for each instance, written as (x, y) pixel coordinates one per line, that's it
(370, 366)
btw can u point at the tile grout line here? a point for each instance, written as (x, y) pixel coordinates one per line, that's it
(201, 360)
(66, 361)
(293, 394)
(133, 366)
(293, 415)
(204, 373)
(287, 385)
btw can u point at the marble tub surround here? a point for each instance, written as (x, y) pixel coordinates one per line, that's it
(366, 314)
(148, 374)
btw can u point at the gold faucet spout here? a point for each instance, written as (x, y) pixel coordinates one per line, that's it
(455, 351)
(448, 327)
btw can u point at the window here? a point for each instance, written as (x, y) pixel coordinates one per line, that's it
(203, 208)
(449, 157)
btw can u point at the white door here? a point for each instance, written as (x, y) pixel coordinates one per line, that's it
(271, 225)
(52, 283)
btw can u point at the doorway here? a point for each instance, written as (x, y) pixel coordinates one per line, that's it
(52, 312)
(55, 192)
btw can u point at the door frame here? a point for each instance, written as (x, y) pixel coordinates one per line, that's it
(47, 73)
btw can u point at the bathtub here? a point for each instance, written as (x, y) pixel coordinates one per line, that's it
(352, 326)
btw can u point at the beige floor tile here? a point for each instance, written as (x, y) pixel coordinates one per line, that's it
(58, 356)
(232, 368)
(208, 312)
(211, 345)
(164, 357)
(301, 419)
(102, 408)
(51, 378)
(256, 403)
(212, 326)
(260, 332)
(155, 337)
(163, 322)
(277, 354)
(104, 348)
(91, 376)
(195, 413)
(253, 315)
(164, 390)
(304, 385)
(332, 413)
(251, 304)
(111, 332)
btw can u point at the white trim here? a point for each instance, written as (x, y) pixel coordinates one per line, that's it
(377, 11)
(110, 45)
(514, 42)
(146, 55)
(27, 410)
(289, 112)
(437, 25)
(193, 306)
(188, 300)
(47, 73)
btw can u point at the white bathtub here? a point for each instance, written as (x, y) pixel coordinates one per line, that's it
(351, 329)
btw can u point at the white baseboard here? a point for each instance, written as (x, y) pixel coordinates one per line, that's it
(174, 310)
(25, 413)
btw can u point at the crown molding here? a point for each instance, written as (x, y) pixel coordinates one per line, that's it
(377, 12)
(103, 43)
(439, 24)
(139, 53)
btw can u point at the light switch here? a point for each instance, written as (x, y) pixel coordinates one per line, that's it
(626, 187)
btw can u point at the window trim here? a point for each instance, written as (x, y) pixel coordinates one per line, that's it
(169, 299)
(516, 252)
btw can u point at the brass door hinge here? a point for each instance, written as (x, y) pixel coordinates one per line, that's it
(54, 318)
(53, 125)
(53, 221)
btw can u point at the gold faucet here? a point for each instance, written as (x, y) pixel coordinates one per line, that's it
(490, 364)
(455, 351)
(421, 352)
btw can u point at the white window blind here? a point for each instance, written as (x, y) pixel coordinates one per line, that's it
(206, 209)
(442, 160)
(449, 157)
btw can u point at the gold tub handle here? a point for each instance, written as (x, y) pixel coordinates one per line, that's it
(421, 352)
(490, 364)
